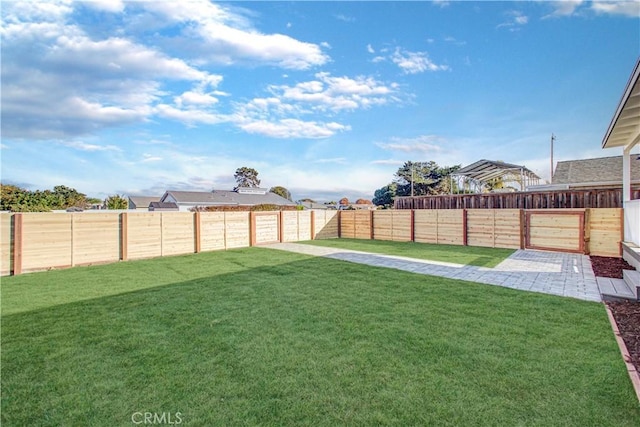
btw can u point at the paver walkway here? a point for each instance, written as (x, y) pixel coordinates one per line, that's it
(556, 273)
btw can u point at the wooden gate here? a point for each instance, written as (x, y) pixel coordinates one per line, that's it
(555, 230)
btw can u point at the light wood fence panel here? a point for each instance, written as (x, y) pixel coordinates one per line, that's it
(178, 233)
(555, 230)
(237, 229)
(425, 224)
(363, 224)
(212, 231)
(46, 241)
(6, 253)
(494, 228)
(326, 224)
(605, 232)
(402, 226)
(144, 235)
(96, 238)
(266, 227)
(289, 226)
(450, 226)
(509, 228)
(383, 225)
(347, 224)
(304, 225)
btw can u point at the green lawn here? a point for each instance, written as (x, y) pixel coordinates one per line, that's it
(265, 337)
(467, 255)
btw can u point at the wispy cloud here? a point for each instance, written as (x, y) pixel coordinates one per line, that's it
(627, 8)
(83, 146)
(336, 160)
(345, 18)
(415, 62)
(630, 8)
(391, 162)
(420, 144)
(515, 21)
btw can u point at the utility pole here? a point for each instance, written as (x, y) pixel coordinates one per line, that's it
(412, 168)
(553, 138)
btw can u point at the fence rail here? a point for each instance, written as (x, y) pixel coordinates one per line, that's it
(559, 199)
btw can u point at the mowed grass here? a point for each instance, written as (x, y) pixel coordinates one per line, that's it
(264, 337)
(467, 255)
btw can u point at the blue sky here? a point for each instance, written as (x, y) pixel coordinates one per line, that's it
(325, 98)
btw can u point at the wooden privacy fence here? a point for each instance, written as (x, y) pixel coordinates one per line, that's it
(557, 199)
(41, 241)
(589, 231)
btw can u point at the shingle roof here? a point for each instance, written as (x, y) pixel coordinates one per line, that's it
(225, 198)
(600, 170)
(142, 201)
(162, 206)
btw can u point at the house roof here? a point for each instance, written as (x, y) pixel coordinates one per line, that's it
(624, 128)
(600, 170)
(226, 198)
(163, 206)
(142, 201)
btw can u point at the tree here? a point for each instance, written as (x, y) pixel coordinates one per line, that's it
(427, 177)
(344, 201)
(281, 191)
(116, 202)
(384, 196)
(246, 177)
(18, 199)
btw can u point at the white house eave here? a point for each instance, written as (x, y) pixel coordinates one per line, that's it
(624, 128)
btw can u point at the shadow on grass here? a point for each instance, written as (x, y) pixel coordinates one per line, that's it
(313, 341)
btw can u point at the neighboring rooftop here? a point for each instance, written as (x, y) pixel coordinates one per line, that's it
(603, 171)
(244, 197)
(141, 202)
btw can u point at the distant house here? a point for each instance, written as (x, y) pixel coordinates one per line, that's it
(141, 203)
(242, 197)
(314, 205)
(163, 207)
(603, 172)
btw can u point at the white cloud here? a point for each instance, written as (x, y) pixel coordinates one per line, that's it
(336, 93)
(221, 34)
(293, 128)
(146, 158)
(195, 98)
(113, 6)
(515, 21)
(337, 160)
(627, 8)
(370, 49)
(420, 144)
(388, 162)
(83, 146)
(415, 62)
(189, 116)
(630, 8)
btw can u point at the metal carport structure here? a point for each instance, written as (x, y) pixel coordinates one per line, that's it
(476, 176)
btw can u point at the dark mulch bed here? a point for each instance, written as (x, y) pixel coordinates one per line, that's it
(626, 314)
(609, 267)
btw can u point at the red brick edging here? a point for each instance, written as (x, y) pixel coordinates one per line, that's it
(633, 373)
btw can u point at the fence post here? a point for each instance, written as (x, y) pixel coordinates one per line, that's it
(197, 232)
(339, 224)
(523, 229)
(252, 228)
(312, 224)
(17, 243)
(587, 231)
(371, 225)
(464, 227)
(124, 244)
(281, 226)
(413, 225)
